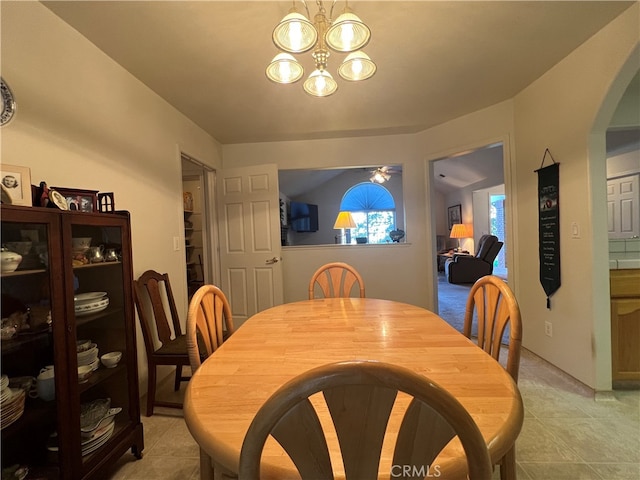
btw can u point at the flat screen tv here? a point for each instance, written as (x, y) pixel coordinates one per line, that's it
(304, 217)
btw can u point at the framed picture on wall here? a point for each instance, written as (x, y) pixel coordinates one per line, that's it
(16, 184)
(454, 215)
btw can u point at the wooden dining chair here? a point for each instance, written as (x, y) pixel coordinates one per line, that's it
(209, 323)
(495, 306)
(360, 396)
(154, 289)
(336, 279)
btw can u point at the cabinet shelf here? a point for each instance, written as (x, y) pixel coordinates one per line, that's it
(26, 340)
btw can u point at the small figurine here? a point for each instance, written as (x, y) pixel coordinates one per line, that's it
(44, 194)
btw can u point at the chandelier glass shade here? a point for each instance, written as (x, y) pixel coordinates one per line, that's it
(297, 34)
(320, 84)
(357, 66)
(348, 33)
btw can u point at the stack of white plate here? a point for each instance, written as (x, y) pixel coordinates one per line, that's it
(11, 403)
(88, 357)
(90, 302)
(90, 444)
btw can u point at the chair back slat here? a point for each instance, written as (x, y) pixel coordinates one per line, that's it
(336, 279)
(423, 435)
(360, 414)
(155, 288)
(301, 435)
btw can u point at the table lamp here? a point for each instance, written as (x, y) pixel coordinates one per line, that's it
(344, 221)
(459, 230)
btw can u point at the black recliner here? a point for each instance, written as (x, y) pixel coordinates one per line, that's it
(467, 268)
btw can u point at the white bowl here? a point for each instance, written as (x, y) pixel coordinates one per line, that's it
(84, 372)
(9, 261)
(111, 359)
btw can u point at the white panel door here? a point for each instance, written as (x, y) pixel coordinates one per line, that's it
(623, 207)
(249, 215)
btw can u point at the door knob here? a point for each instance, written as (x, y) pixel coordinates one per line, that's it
(273, 260)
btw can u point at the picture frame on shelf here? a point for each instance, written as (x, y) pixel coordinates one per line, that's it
(79, 199)
(16, 184)
(454, 215)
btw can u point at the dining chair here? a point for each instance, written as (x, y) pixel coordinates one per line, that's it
(209, 323)
(154, 289)
(495, 306)
(360, 396)
(336, 279)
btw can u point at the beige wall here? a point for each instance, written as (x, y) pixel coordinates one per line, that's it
(84, 122)
(560, 112)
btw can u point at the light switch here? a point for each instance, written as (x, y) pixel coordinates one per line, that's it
(575, 230)
(176, 244)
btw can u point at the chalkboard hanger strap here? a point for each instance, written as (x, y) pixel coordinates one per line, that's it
(546, 151)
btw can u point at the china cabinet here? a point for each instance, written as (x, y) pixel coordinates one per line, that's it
(63, 308)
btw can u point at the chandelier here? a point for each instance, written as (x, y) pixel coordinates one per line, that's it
(297, 34)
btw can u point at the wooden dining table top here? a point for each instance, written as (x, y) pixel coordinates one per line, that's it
(282, 342)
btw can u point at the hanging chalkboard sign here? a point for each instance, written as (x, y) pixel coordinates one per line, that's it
(549, 226)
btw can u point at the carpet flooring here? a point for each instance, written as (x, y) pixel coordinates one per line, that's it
(452, 299)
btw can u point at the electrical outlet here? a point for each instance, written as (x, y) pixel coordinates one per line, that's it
(548, 329)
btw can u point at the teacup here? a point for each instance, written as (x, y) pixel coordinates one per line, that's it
(46, 384)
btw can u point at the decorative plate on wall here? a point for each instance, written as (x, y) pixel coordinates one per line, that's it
(8, 103)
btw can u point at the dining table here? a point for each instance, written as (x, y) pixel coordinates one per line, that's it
(284, 341)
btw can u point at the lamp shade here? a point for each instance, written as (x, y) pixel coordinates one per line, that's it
(284, 68)
(295, 33)
(344, 220)
(357, 66)
(347, 33)
(320, 84)
(459, 230)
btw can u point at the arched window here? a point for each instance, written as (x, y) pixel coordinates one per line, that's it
(373, 209)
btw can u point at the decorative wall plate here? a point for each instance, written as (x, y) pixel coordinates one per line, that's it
(58, 200)
(8, 103)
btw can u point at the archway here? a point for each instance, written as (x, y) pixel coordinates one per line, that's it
(598, 200)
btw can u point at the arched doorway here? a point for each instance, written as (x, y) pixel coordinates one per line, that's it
(598, 187)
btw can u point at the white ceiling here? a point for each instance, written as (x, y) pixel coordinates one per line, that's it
(437, 60)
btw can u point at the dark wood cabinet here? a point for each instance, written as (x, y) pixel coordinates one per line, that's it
(40, 301)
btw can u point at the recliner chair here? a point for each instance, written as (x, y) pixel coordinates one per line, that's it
(468, 269)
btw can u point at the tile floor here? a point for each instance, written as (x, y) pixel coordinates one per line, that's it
(567, 434)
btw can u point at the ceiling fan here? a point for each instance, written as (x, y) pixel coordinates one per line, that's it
(382, 174)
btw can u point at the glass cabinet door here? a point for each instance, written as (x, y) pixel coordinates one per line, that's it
(33, 338)
(99, 288)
